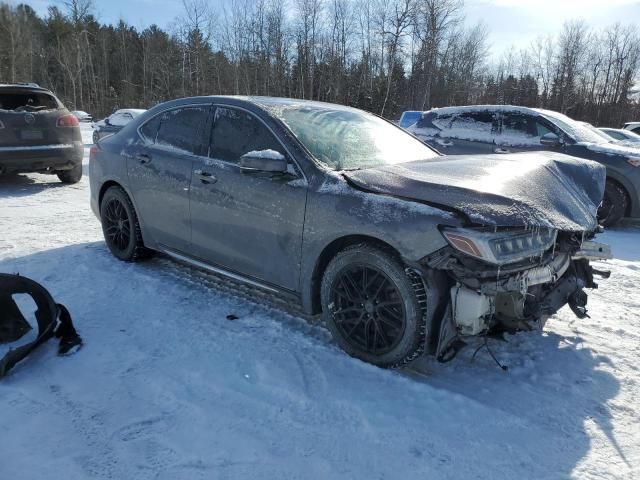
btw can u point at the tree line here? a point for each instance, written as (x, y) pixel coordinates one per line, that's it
(384, 56)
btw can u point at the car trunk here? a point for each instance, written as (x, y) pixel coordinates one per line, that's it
(538, 189)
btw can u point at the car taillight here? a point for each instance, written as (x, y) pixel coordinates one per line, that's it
(93, 151)
(67, 121)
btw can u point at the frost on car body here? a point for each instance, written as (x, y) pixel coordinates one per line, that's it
(402, 250)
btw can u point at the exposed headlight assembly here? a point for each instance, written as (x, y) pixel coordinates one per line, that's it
(500, 247)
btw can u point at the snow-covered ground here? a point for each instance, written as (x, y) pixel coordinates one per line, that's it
(167, 387)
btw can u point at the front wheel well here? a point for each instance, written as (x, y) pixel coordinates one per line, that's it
(626, 194)
(331, 251)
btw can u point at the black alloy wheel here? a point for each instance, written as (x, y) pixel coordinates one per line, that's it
(120, 226)
(117, 225)
(368, 309)
(371, 307)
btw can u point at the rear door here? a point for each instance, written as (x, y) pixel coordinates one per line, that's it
(248, 223)
(159, 170)
(467, 132)
(521, 132)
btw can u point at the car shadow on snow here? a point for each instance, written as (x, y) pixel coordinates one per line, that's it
(22, 185)
(556, 382)
(554, 393)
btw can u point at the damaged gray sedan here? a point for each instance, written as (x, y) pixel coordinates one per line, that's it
(402, 250)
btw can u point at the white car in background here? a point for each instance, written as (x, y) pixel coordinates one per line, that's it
(622, 135)
(114, 122)
(82, 116)
(633, 126)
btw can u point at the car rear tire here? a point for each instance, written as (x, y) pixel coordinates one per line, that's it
(370, 306)
(71, 176)
(96, 137)
(120, 226)
(614, 204)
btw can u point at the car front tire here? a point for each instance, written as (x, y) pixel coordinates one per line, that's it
(614, 204)
(120, 226)
(370, 306)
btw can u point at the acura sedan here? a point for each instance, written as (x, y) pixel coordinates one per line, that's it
(401, 250)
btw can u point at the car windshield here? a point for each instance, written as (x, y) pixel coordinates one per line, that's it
(576, 130)
(349, 139)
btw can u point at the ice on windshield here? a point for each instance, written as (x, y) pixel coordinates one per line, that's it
(348, 139)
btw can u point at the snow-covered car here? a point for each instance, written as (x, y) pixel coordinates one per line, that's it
(82, 116)
(622, 135)
(402, 250)
(504, 129)
(114, 122)
(632, 126)
(38, 134)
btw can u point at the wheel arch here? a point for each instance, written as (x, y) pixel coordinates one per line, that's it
(312, 302)
(627, 189)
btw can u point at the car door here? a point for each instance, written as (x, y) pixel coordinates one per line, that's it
(159, 169)
(521, 132)
(248, 223)
(467, 132)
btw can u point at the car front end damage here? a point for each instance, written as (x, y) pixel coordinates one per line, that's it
(491, 281)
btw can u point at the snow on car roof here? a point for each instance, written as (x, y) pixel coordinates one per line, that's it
(476, 108)
(134, 111)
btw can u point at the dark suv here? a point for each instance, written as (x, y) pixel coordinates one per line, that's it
(505, 129)
(38, 134)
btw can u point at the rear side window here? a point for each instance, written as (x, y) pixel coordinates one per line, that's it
(521, 129)
(236, 132)
(181, 129)
(149, 130)
(28, 101)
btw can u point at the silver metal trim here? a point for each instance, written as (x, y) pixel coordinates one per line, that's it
(218, 270)
(594, 251)
(37, 147)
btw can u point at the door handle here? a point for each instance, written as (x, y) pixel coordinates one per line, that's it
(206, 177)
(143, 158)
(501, 150)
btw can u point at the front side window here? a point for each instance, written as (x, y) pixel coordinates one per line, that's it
(181, 128)
(236, 132)
(349, 139)
(521, 129)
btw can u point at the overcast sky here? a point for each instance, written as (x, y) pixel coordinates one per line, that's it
(510, 22)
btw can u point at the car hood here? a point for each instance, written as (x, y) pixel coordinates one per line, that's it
(538, 189)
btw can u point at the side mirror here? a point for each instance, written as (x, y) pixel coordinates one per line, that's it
(550, 140)
(107, 121)
(263, 161)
